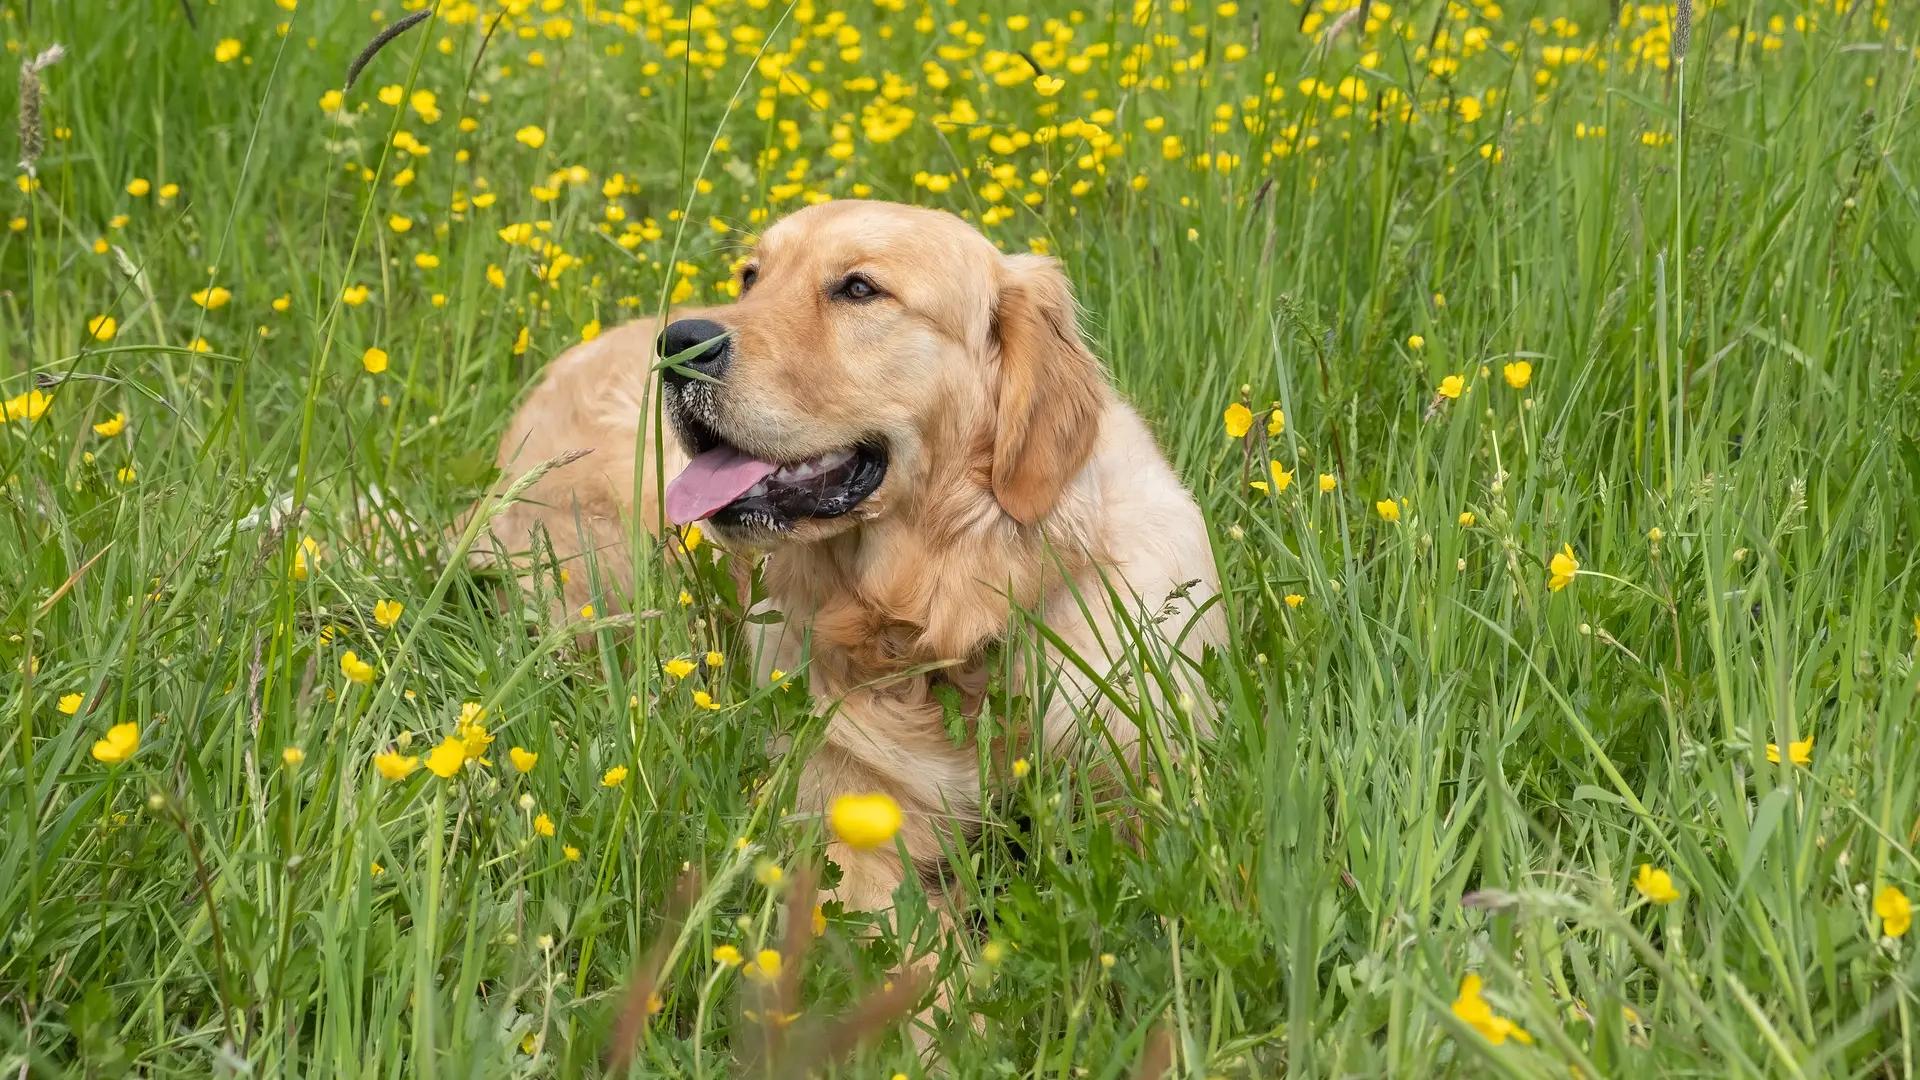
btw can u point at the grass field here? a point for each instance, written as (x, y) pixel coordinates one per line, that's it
(1601, 383)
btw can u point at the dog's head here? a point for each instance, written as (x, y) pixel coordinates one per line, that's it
(880, 358)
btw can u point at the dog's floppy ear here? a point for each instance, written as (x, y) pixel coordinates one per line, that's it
(1052, 390)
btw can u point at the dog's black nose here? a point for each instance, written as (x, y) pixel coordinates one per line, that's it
(685, 334)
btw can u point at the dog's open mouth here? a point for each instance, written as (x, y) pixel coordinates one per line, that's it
(731, 487)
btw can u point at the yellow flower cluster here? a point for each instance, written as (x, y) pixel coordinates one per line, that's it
(992, 118)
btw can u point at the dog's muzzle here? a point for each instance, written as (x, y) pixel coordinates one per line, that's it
(678, 343)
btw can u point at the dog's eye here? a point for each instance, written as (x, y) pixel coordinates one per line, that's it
(856, 287)
(748, 277)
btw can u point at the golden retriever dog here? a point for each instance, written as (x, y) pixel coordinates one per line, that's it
(907, 423)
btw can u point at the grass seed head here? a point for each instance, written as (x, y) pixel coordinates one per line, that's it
(30, 139)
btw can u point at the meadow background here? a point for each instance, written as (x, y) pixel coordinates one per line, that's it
(261, 336)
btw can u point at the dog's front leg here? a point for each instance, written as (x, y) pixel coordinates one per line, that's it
(936, 786)
(869, 876)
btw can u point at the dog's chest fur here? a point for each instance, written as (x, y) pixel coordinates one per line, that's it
(897, 596)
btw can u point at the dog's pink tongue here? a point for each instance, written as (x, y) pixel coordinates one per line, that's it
(711, 481)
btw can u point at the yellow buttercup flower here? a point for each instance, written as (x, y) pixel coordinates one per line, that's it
(1327, 482)
(766, 965)
(573, 855)
(1294, 599)
(331, 101)
(212, 298)
(1451, 386)
(1894, 909)
(532, 136)
(476, 740)
(1047, 85)
(29, 406)
(1239, 420)
(445, 759)
(1466, 519)
(1475, 1010)
(1562, 569)
(543, 825)
(1656, 885)
(591, 330)
(70, 703)
(614, 777)
(864, 822)
(394, 765)
(374, 360)
(1415, 341)
(102, 327)
(705, 700)
(1518, 374)
(678, 667)
(727, 956)
(227, 51)
(119, 745)
(387, 612)
(524, 760)
(292, 756)
(355, 669)
(354, 295)
(1800, 753)
(138, 187)
(1387, 509)
(304, 556)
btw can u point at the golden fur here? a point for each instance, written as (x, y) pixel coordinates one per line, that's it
(1016, 476)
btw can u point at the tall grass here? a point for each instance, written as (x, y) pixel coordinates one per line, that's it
(1430, 763)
